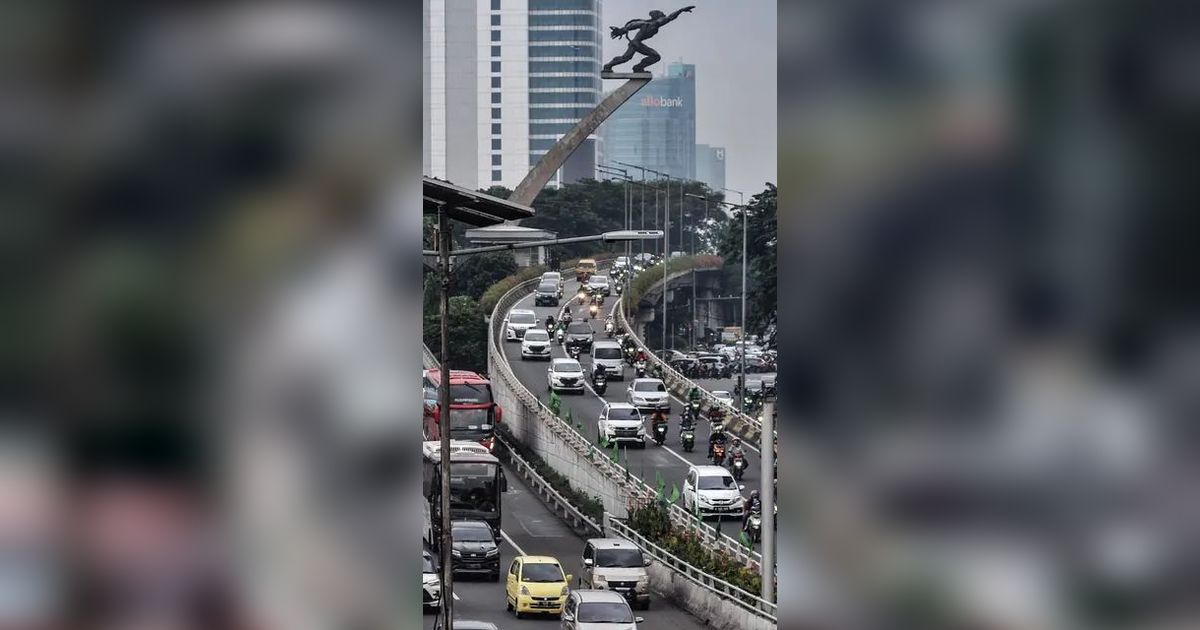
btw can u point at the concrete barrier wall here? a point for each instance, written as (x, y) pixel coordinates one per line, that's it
(702, 603)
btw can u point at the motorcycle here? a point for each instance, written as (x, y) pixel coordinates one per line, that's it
(688, 437)
(754, 527)
(738, 466)
(718, 454)
(593, 311)
(582, 297)
(559, 336)
(660, 433)
(693, 409)
(573, 350)
(639, 368)
(609, 329)
(619, 290)
(600, 382)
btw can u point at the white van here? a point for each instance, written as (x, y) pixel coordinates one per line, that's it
(608, 353)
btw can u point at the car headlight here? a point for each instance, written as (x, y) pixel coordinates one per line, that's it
(524, 590)
(456, 553)
(643, 584)
(492, 552)
(704, 499)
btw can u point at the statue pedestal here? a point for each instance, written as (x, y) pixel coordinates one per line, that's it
(625, 75)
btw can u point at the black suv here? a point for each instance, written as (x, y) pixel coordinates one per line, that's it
(579, 334)
(546, 294)
(474, 549)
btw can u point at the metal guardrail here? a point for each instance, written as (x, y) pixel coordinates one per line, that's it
(637, 488)
(737, 596)
(559, 504)
(747, 427)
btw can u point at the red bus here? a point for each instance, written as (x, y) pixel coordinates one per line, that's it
(473, 411)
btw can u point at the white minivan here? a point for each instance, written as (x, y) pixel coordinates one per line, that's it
(608, 353)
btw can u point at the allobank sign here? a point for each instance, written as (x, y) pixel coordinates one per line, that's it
(658, 101)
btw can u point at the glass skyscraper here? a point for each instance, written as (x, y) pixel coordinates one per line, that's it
(657, 127)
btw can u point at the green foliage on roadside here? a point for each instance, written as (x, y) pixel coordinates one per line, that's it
(473, 275)
(590, 506)
(497, 291)
(468, 334)
(653, 521)
(762, 240)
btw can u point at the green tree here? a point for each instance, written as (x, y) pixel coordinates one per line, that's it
(472, 275)
(762, 247)
(468, 334)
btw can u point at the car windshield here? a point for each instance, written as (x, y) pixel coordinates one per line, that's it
(722, 395)
(725, 482)
(537, 335)
(522, 318)
(473, 486)
(604, 612)
(618, 558)
(472, 533)
(567, 366)
(552, 276)
(579, 328)
(599, 279)
(548, 287)
(649, 386)
(623, 413)
(541, 572)
(470, 420)
(606, 352)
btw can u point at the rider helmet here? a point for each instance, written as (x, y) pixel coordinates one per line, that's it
(737, 441)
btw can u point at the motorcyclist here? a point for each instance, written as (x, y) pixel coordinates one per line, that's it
(717, 437)
(716, 415)
(753, 505)
(659, 418)
(566, 318)
(549, 322)
(735, 448)
(693, 394)
(641, 355)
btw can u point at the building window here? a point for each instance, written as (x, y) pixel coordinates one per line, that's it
(495, 144)
(495, 176)
(495, 129)
(495, 51)
(496, 160)
(495, 97)
(564, 82)
(558, 5)
(495, 66)
(495, 20)
(495, 113)
(495, 5)
(495, 36)
(563, 66)
(495, 82)
(562, 20)
(574, 35)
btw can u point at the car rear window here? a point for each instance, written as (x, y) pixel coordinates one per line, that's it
(623, 413)
(579, 327)
(522, 318)
(724, 482)
(541, 572)
(567, 366)
(548, 287)
(609, 352)
(649, 386)
(537, 335)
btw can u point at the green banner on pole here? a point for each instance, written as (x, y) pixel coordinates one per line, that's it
(555, 403)
(567, 416)
(746, 541)
(674, 494)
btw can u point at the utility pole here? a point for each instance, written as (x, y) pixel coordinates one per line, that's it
(767, 446)
(445, 543)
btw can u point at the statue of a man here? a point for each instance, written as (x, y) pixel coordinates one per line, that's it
(645, 30)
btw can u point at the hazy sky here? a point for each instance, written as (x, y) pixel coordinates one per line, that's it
(732, 43)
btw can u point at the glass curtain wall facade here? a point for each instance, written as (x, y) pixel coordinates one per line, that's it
(564, 78)
(657, 127)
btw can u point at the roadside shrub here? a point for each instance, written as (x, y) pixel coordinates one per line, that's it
(646, 279)
(497, 291)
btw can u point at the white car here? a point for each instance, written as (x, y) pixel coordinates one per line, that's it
(621, 422)
(712, 491)
(724, 397)
(431, 584)
(608, 353)
(599, 282)
(535, 344)
(564, 375)
(648, 393)
(518, 321)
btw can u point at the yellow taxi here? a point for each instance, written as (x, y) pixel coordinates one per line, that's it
(536, 584)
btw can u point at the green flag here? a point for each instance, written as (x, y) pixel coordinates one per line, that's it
(616, 453)
(674, 494)
(567, 417)
(746, 541)
(604, 441)
(661, 483)
(555, 402)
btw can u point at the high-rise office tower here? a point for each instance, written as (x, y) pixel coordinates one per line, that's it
(657, 127)
(503, 80)
(710, 166)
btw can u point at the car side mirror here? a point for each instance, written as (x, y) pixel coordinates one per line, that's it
(741, 486)
(587, 562)
(639, 619)
(569, 578)
(646, 562)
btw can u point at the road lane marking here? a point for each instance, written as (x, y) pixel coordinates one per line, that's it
(508, 538)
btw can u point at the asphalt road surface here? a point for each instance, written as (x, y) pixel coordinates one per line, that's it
(530, 528)
(669, 460)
